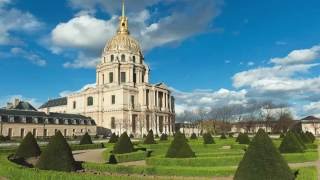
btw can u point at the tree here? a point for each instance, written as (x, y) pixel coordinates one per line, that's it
(179, 147)
(124, 145)
(86, 139)
(57, 156)
(208, 139)
(150, 138)
(263, 161)
(28, 147)
(290, 144)
(113, 138)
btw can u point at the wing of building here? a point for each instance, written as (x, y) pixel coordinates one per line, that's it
(123, 99)
(19, 118)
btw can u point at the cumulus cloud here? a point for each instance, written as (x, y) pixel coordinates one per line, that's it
(13, 20)
(31, 56)
(312, 108)
(300, 56)
(68, 92)
(88, 34)
(206, 99)
(82, 61)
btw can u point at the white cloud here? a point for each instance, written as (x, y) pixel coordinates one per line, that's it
(250, 63)
(87, 34)
(82, 61)
(312, 109)
(5, 99)
(31, 56)
(300, 56)
(206, 99)
(68, 92)
(14, 20)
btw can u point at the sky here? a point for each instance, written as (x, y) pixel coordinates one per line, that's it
(210, 52)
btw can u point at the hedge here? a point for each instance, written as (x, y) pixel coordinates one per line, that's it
(76, 147)
(134, 156)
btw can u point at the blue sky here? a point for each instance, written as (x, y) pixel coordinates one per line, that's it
(211, 52)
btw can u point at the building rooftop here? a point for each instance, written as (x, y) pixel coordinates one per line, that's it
(55, 102)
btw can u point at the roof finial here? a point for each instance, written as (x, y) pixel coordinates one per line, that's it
(123, 9)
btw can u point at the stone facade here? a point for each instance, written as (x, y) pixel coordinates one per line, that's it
(122, 99)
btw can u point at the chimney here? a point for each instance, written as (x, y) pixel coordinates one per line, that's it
(16, 102)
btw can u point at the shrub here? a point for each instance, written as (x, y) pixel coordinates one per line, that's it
(113, 138)
(124, 145)
(86, 139)
(208, 139)
(2, 138)
(163, 137)
(57, 156)
(311, 136)
(230, 135)
(179, 147)
(244, 139)
(223, 136)
(282, 135)
(156, 136)
(263, 161)
(149, 139)
(193, 136)
(238, 137)
(300, 139)
(131, 136)
(112, 159)
(290, 144)
(306, 139)
(28, 147)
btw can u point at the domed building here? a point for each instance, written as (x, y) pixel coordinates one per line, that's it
(123, 99)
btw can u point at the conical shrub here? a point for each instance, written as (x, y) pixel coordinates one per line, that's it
(208, 139)
(179, 147)
(124, 145)
(244, 139)
(193, 136)
(113, 138)
(57, 155)
(263, 161)
(112, 159)
(163, 137)
(297, 134)
(290, 144)
(305, 138)
(28, 147)
(150, 138)
(230, 135)
(238, 137)
(86, 139)
(282, 135)
(223, 136)
(311, 136)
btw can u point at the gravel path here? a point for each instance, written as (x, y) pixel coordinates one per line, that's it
(93, 155)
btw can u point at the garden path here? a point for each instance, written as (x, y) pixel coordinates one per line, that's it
(91, 155)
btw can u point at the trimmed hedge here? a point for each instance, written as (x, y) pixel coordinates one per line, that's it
(179, 147)
(149, 139)
(208, 139)
(163, 137)
(290, 144)
(311, 136)
(57, 156)
(86, 139)
(193, 136)
(128, 157)
(114, 138)
(124, 145)
(28, 147)
(243, 138)
(263, 161)
(77, 147)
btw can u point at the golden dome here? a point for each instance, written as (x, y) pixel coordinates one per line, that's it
(123, 42)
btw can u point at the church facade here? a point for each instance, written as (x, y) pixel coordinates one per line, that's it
(123, 99)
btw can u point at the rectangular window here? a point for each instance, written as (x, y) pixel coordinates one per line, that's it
(45, 132)
(147, 122)
(113, 123)
(123, 77)
(22, 133)
(102, 78)
(113, 99)
(147, 97)
(132, 100)
(65, 133)
(111, 77)
(34, 132)
(74, 105)
(10, 132)
(134, 77)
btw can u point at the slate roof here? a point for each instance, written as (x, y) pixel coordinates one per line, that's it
(310, 118)
(55, 102)
(22, 105)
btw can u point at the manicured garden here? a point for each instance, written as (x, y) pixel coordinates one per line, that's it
(217, 157)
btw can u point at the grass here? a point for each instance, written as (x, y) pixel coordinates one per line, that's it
(134, 156)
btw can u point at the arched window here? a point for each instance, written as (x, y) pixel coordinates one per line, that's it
(113, 123)
(112, 58)
(90, 101)
(134, 59)
(123, 58)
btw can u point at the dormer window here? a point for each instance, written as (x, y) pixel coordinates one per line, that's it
(123, 58)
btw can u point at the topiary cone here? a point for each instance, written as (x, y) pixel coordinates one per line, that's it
(124, 145)
(263, 161)
(208, 139)
(150, 138)
(57, 155)
(290, 144)
(113, 138)
(193, 136)
(86, 139)
(28, 147)
(179, 147)
(163, 137)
